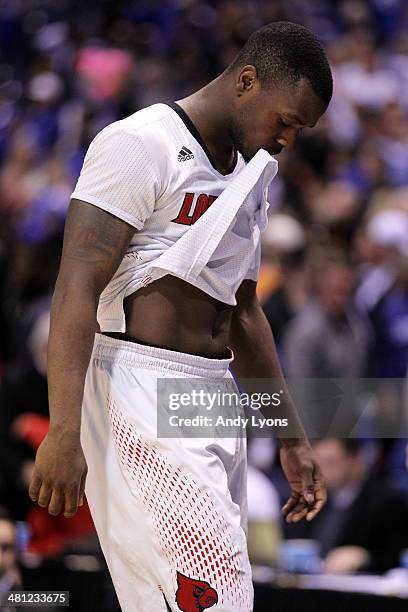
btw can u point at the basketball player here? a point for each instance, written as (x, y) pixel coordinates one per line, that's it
(157, 279)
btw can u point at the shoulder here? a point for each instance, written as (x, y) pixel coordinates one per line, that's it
(149, 125)
(143, 137)
(147, 118)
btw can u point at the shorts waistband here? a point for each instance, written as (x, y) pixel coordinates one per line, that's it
(114, 350)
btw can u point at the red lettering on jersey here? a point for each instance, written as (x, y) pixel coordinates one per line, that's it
(183, 217)
(202, 204)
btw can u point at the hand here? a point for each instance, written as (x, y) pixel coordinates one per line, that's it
(346, 560)
(59, 474)
(308, 491)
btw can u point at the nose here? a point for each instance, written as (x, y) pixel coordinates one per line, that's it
(282, 141)
(288, 137)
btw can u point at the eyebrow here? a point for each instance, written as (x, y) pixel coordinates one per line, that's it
(298, 120)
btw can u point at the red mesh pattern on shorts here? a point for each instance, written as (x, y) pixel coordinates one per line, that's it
(194, 536)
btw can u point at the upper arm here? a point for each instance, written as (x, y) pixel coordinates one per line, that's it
(247, 314)
(120, 176)
(94, 244)
(115, 194)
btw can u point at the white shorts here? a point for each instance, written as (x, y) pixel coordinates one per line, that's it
(170, 513)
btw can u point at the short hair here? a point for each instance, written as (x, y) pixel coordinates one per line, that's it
(287, 52)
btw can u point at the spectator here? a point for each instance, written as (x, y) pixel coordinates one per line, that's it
(264, 532)
(23, 396)
(23, 425)
(10, 577)
(327, 339)
(263, 519)
(384, 294)
(364, 80)
(363, 527)
(283, 251)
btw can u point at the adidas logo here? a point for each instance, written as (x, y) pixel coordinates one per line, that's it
(185, 154)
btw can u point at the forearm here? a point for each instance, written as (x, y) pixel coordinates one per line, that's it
(255, 354)
(94, 245)
(72, 331)
(255, 357)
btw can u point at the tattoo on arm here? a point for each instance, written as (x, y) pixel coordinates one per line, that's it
(94, 239)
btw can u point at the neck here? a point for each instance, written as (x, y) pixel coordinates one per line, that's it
(208, 110)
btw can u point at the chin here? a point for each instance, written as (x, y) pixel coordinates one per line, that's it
(247, 155)
(271, 150)
(274, 150)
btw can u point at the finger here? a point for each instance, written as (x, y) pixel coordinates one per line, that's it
(308, 484)
(300, 508)
(35, 486)
(290, 504)
(82, 490)
(55, 504)
(71, 501)
(319, 487)
(313, 513)
(44, 495)
(299, 515)
(321, 499)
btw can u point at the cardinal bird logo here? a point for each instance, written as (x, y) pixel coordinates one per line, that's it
(194, 595)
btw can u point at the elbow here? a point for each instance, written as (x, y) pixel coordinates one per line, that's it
(69, 285)
(250, 327)
(74, 294)
(244, 328)
(251, 317)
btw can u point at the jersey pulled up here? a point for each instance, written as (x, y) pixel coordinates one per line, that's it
(152, 171)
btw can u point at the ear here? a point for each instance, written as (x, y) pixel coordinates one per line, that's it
(247, 80)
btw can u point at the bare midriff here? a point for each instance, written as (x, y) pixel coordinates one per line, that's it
(175, 315)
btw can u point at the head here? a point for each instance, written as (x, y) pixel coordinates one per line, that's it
(387, 235)
(335, 287)
(284, 242)
(340, 461)
(8, 554)
(282, 83)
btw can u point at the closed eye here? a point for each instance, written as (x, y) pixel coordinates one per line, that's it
(283, 123)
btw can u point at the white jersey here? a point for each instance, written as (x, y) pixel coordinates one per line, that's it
(153, 171)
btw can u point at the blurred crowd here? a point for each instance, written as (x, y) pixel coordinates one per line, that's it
(334, 276)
